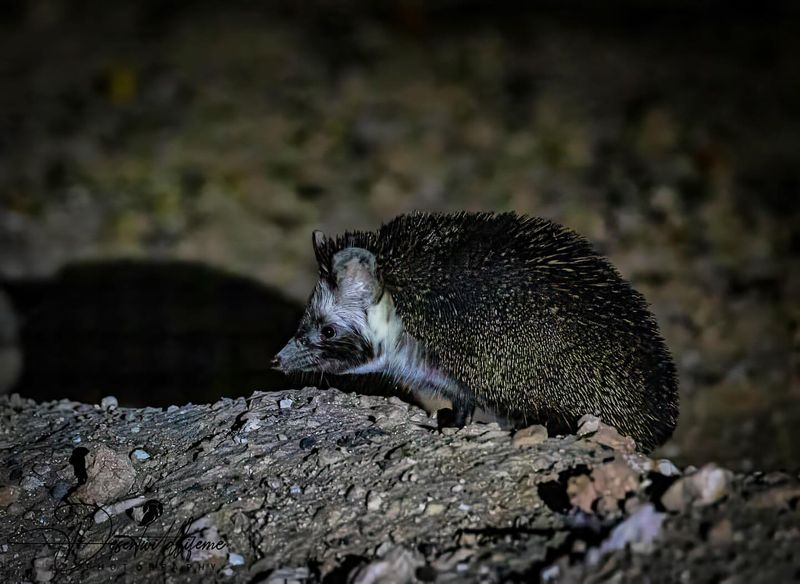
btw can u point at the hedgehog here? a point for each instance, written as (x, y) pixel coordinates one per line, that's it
(512, 314)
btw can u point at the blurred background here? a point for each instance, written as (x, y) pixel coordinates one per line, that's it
(162, 165)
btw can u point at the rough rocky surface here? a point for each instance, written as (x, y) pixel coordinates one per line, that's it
(666, 132)
(310, 486)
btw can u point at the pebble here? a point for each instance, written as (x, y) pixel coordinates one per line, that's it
(235, 559)
(550, 573)
(59, 490)
(374, 501)
(327, 456)
(109, 402)
(109, 476)
(529, 436)
(667, 468)
(140, 454)
(434, 509)
(31, 483)
(355, 493)
(43, 569)
(638, 531)
(588, 424)
(285, 404)
(136, 429)
(541, 463)
(15, 509)
(399, 565)
(721, 533)
(8, 495)
(702, 488)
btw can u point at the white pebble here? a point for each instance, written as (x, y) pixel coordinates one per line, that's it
(109, 402)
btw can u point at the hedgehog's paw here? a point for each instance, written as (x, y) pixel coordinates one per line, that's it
(456, 417)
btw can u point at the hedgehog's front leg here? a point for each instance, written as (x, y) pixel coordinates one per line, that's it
(459, 415)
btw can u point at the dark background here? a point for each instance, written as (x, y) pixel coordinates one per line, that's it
(162, 165)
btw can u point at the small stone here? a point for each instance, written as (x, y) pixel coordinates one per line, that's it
(235, 559)
(109, 403)
(712, 483)
(31, 483)
(702, 488)
(588, 424)
(374, 501)
(638, 531)
(307, 443)
(434, 509)
(582, 493)
(667, 468)
(398, 565)
(109, 476)
(136, 429)
(43, 569)
(329, 456)
(9, 494)
(140, 454)
(355, 494)
(15, 509)
(285, 404)
(394, 510)
(59, 490)
(550, 573)
(529, 436)
(721, 533)
(295, 490)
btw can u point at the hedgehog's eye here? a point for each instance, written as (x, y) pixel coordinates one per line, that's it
(328, 332)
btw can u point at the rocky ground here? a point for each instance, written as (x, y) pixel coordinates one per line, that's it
(206, 144)
(667, 135)
(323, 486)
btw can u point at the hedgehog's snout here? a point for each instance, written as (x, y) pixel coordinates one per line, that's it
(288, 357)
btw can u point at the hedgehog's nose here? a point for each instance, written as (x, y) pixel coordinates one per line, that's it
(276, 362)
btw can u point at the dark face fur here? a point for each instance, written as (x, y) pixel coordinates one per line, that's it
(334, 335)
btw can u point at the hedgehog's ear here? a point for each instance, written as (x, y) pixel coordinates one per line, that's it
(355, 270)
(320, 244)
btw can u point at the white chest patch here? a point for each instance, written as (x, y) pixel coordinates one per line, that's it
(398, 354)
